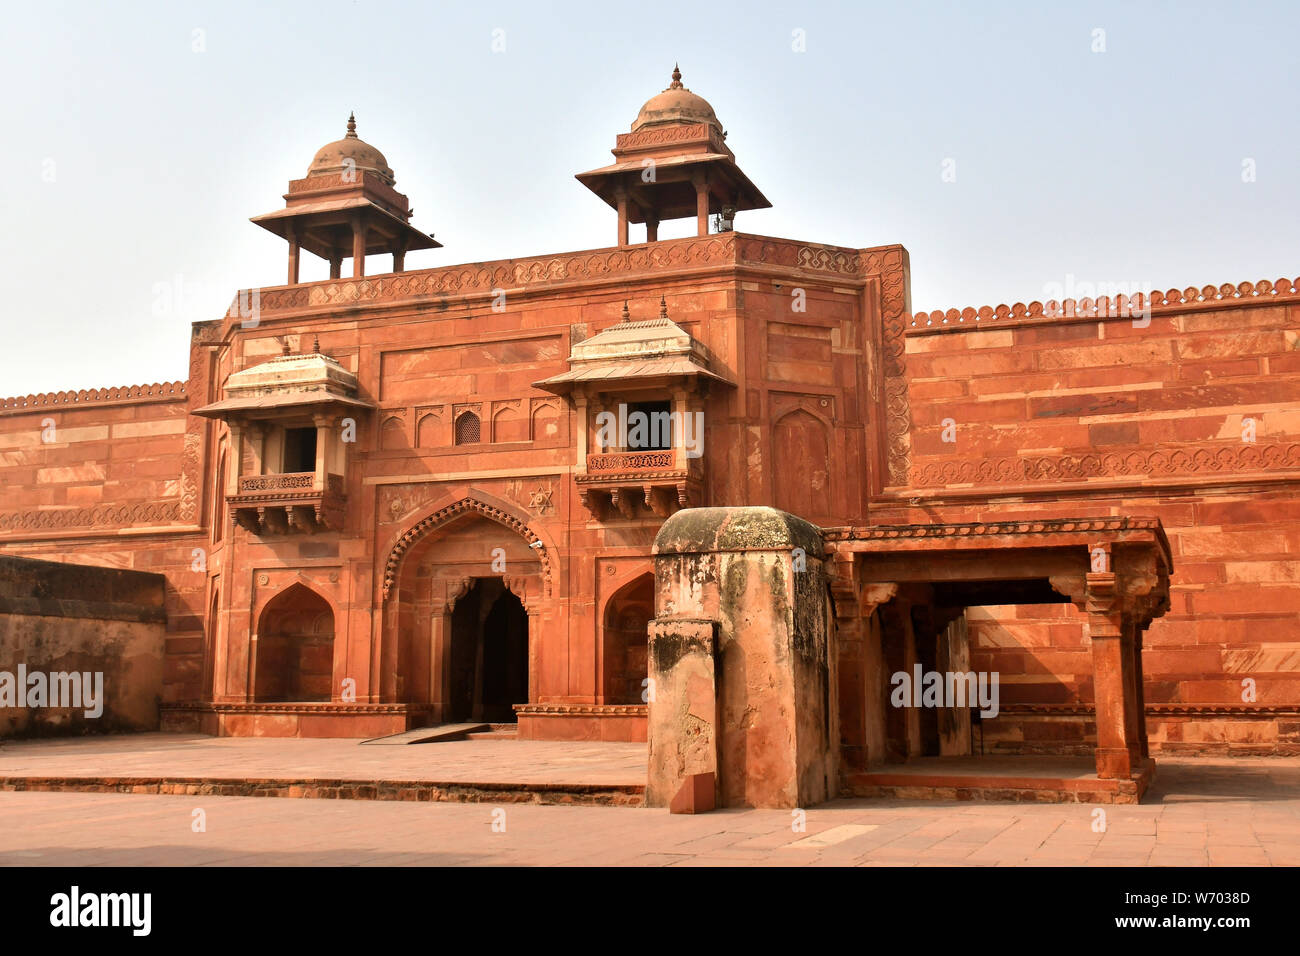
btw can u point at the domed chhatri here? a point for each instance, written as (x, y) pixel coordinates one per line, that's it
(350, 153)
(676, 106)
(674, 163)
(346, 206)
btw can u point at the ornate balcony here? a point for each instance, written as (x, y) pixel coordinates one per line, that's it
(638, 484)
(287, 503)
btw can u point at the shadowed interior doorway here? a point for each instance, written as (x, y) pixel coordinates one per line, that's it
(489, 654)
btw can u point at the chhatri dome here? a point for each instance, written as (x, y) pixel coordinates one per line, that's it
(351, 152)
(676, 106)
(346, 207)
(674, 163)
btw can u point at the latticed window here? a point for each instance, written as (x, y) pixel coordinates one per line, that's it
(468, 429)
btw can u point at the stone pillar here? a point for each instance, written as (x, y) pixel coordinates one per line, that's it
(651, 230)
(680, 409)
(336, 266)
(757, 577)
(293, 257)
(860, 663)
(621, 197)
(1112, 634)
(257, 434)
(1138, 680)
(322, 444)
(358, 247)
(235, 468)
(439, 661)
(399, 256)
(580, 404)
(701, 183)
(534, 642)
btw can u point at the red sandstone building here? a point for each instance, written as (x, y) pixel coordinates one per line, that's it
(387, 500)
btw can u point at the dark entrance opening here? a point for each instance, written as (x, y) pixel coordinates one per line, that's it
(299, 450)
(656, 431)
(489, 654)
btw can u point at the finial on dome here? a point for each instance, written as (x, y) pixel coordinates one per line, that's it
(663, 308)
(315, 343)
(677, 78)
(626, 317)
(352, 125)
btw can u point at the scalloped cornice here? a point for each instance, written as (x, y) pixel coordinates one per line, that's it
(1244, 293)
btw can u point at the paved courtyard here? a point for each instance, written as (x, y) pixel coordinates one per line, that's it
(195, 755)
(1200, 812)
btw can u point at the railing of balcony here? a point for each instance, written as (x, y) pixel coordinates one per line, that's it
(630, 461)
(291, 481)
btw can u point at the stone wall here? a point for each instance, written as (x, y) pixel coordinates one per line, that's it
(65, 618)
(1188, 414)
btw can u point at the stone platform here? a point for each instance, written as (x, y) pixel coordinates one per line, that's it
(503, 770)
(1037, 779)
(487, 767)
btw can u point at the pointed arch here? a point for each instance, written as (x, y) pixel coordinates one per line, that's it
(802, 476)
(392, 434)
(465, 505)
(468, 429)
(624, 640)
(294, 656)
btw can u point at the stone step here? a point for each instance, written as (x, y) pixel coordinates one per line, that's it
(454, 791)
(429, 735)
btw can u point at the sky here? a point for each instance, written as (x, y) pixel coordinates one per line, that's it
(1013, 148)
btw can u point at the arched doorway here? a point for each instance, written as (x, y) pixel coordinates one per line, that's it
(467, 545)
(295, 648)
(489, 654)
(801, 483)
(627, 614)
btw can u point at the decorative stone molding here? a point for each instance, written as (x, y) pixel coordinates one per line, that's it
(664, 135)
(1244, 293)
(454, 590)
(481, 278)
(539, 500)
(249, 483)
(1240, 457)
(1242, 711)
(443, 515)
(159, 391)
(581, 710)
(890, 270)
(321, 707)
(120, 516)
(633, 461)
(977, 528)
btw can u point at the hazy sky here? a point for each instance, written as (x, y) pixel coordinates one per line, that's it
(135, 149)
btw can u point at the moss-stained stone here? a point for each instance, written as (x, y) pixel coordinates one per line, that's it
(694, 530)
(757, 578)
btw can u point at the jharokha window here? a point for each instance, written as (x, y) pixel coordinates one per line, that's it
(655, 429)
(468, 429)
(299, 450)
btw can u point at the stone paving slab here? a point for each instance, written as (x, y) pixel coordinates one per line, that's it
(1230, 812)
(115, 829)
(194, 756)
